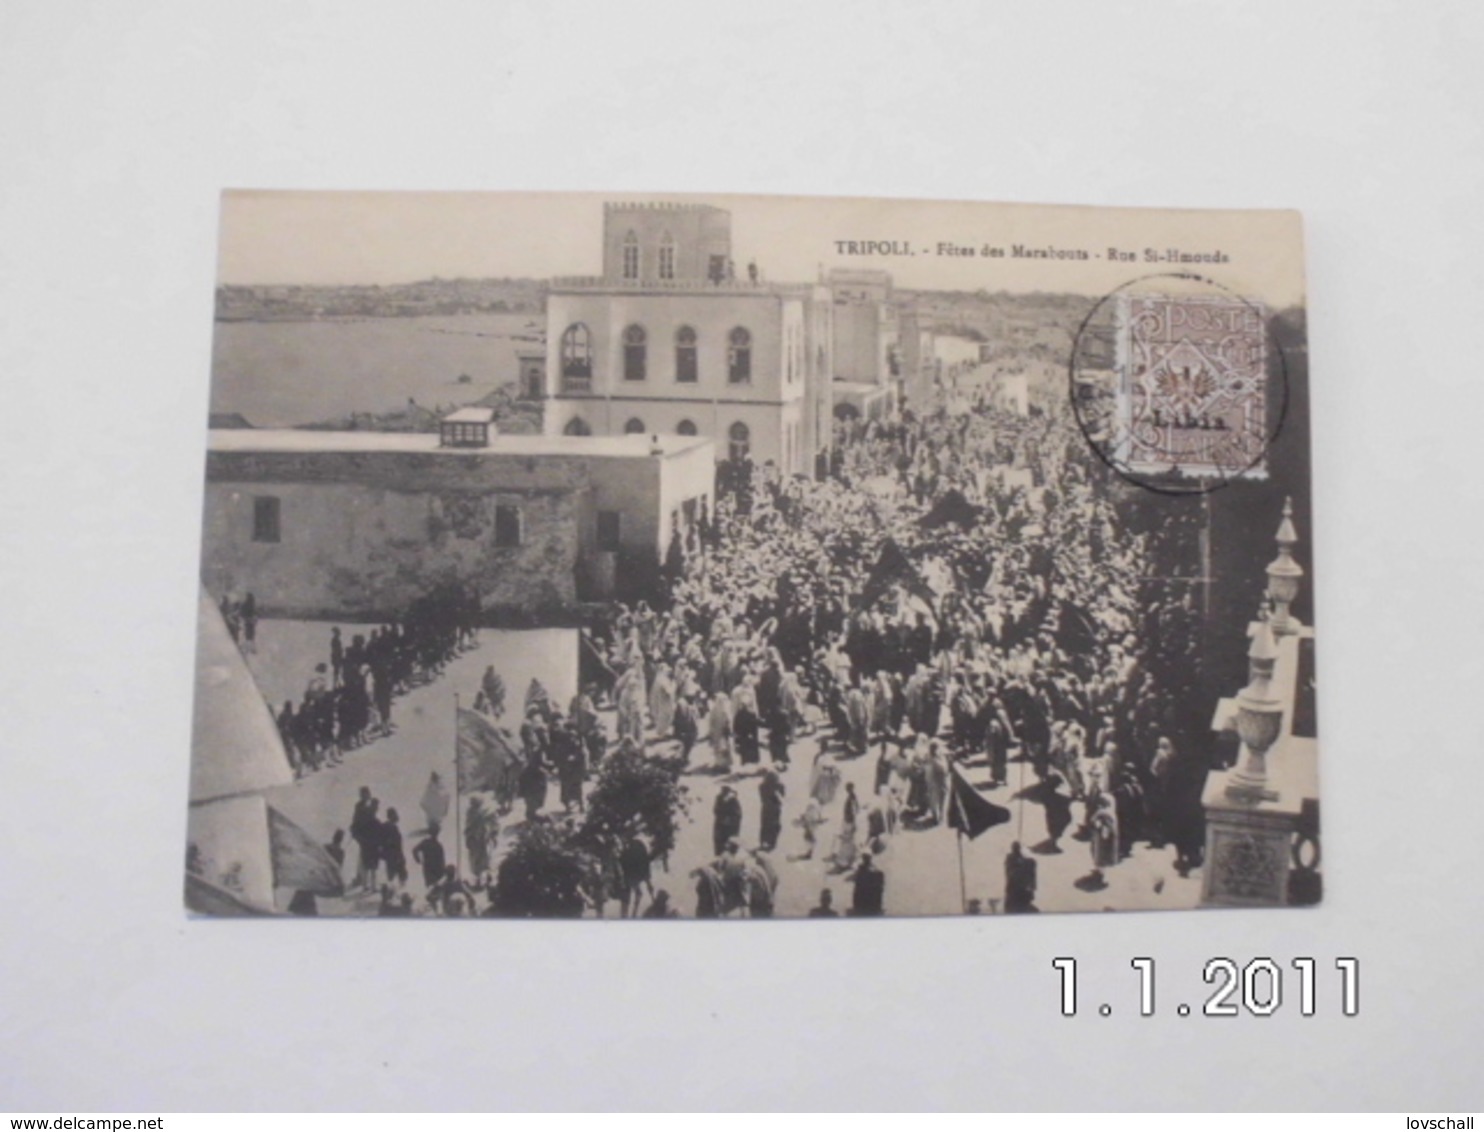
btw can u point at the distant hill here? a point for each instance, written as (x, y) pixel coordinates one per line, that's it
(295, 303)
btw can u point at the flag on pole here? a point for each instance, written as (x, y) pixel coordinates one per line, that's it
(485, 755)
(299, 861)
(894, 568)
(954, 509)
(1073, 629)
(969, 811)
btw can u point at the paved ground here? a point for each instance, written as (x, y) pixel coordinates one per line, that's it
(921, 867)
(397, 766)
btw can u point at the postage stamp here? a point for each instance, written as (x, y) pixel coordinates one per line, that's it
(1178, 384)
(1193, 389)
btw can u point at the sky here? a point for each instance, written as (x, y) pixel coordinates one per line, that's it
(348, 238)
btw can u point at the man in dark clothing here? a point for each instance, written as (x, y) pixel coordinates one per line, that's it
(674, 569)
(451, 888)
(336, 848)
(570, 757)
(686, 726)
(1058, 811)
(727, 815)
(770, 690)
(745, 731)
(248, 611)
(381, 684)
(389, 838)
(826, 907)
(997, 740)
(660, 908)
(429, 854)
(634, 868)
(532, 785)
(869, 891)
(779, 729)
(364, 826)
(772, 791)
(1020, 881)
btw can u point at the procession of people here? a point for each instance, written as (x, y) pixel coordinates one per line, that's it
(962, 594)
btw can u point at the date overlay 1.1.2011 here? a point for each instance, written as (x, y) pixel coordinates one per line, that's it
(1256, 987)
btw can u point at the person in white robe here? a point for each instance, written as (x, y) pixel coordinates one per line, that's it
(662, 702)
(629, 692)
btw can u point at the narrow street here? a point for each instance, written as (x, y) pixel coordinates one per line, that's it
(396, 768)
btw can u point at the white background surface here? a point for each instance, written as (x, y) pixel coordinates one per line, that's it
(119, 126)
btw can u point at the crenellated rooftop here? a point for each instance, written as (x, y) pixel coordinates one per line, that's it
(605, 284)
(660, 206)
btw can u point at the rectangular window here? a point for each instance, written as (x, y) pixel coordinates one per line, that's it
(739, 365)
(507, 525)
(633, 363)
(460, 435)
(608, 530)
(265, 518)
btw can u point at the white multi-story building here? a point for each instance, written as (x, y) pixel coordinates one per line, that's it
(671, 339)
(865, 341)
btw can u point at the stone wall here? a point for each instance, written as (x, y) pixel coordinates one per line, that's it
(362, 534)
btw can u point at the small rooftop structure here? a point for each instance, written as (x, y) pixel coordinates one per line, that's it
(467, 428)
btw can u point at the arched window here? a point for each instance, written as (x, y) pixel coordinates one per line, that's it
(686, 368)
(739, 439)
(633, 353)
(578, 427)
(577, 357)
(634, 425)
(667, 257)
(739, 356)
(686, 428)
(631, 256)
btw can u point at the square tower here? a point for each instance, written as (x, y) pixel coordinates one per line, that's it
(660, 241)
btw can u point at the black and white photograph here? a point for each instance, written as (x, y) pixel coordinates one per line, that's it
(738, 558)
(778, 550)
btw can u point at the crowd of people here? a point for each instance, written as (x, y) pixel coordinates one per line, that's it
(348, 700)
(962, 594)
(961, 589)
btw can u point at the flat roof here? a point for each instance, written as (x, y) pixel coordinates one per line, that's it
(724, 288)
(473, 414)
(326, 440)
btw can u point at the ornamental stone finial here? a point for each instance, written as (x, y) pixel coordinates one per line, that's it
(1284, 574)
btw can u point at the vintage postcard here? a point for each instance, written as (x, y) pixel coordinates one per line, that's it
(678, 557)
